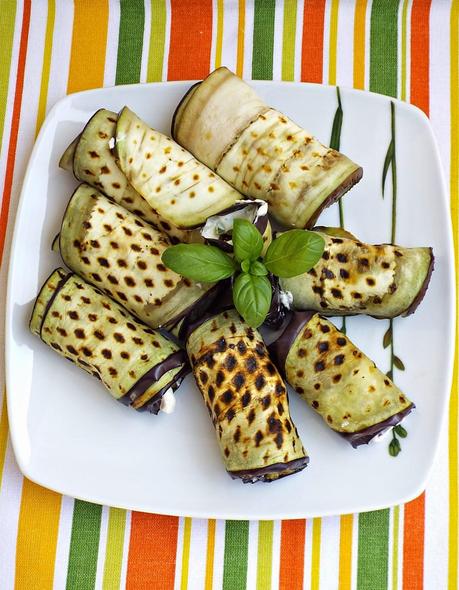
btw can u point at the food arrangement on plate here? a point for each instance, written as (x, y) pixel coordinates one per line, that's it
(180, 249)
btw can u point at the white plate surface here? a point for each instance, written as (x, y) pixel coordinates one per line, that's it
(68, 433)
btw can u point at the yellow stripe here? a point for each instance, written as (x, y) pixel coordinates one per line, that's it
(288, 40)
(186, 553)
(219, 40)
(359, 43)
(395, 542)
(453, 409)
(3, 436)
(315, 559)
(345, 551)
(37, 537)
(210, 554)
(404, 64)
(240, 39)
(265, 553)
(46, 64)
(332, 54)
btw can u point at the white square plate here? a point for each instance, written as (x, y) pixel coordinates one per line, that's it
(70, 436)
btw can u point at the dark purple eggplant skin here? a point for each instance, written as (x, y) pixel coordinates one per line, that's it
(341, 190)
(174, 115)
(198, 308)
(423, 290)
(363, 437)
(262, 474)
(222, 302)
(277, 311)
(293, 324)
(173, 361)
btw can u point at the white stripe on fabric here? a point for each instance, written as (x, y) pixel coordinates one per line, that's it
(277, 39)
(60, 58)
(329, 552)
(345, 45)
(219, 554)
(127, 537)
(248, 38)
(298, 39)
(102, 547)
(252, 555)
(145, 41)
(63, 543)
(111, 53)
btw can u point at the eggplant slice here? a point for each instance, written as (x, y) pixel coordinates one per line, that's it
(121, 254)
(182, 190)
(383, 281)
(337, 380)
(135, 363)
(261, 152)
(246, 399)
(90, 158)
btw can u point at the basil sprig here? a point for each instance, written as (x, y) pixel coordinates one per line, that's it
(292, 253)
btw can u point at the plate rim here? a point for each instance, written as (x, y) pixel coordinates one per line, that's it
(449, 268)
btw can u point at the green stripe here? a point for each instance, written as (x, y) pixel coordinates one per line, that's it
(373, 550)
(373, 537)
(265, 554)
(84, 546)
(236, 554)
(288, 40)
(114, 550)
(383, 47)
(157, 41)
(263, 39)
(130, 43)
(7, 20)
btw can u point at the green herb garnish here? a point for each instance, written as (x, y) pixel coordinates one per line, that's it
(292, 253)
(394, 445)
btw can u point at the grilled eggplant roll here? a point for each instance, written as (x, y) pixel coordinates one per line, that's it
(183, 191)
(337, 380)
(261, 152)
(137, 365)
(119, 253)
(383, 281)
(90, 159)
(246, 399)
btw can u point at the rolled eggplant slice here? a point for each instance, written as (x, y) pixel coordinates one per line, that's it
(261, 152)
(383, 281)
(246, 399)
(337, 380)
(90, 158)
(182, 190)
(119, 253)
(135, 363)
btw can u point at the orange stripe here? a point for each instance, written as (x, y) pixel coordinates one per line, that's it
(37, 537)
(89, 42)
(10, 163)
(191, 39)
(292, 554)
(152, 552)
(359, 43)
(413, 545)
(419, 92)
(313, 41)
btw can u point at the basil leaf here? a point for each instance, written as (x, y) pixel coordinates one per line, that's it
(252, 298)
(258, 269)
(245, 265)
(294, 252)
(247, 240)
(199, 262)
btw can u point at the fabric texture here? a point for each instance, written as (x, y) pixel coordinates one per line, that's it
(48, 48)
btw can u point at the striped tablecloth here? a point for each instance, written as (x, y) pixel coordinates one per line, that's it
(407, 49)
